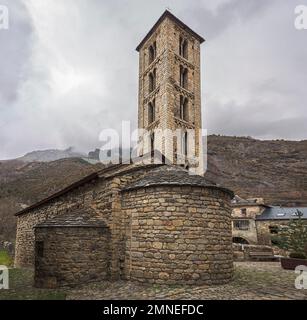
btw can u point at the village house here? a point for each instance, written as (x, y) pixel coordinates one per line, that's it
(256, 223)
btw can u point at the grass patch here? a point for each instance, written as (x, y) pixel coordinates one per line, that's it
(21, 288)
(5, 259)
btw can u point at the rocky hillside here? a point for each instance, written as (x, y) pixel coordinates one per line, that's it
(22, 184)
(275, 170)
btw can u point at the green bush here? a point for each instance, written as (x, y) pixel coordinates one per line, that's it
(277, 241)
(5, 259)
(294, 236)
(297, 255)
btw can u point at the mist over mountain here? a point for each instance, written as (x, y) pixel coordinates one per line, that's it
(51, 155)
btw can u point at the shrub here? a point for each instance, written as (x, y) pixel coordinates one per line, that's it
(277, 241)
(294, 236)
(5, 259)
(297, 255)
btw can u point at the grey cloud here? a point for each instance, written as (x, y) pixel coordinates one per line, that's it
(70, 68)
(15, 50)
(215, 22)
(252, 120)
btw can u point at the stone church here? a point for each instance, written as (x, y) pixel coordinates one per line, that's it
(146, 222)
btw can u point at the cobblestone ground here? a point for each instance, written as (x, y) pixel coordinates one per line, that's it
(252, 280)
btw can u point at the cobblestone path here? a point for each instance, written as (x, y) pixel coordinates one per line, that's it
(252, 280)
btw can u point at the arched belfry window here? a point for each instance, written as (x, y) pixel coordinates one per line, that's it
(152, 143)
(152, 52)
(184, 108)
(152, 80)
(151, 112)
(183, 77)
(183, 47)
(185, 143)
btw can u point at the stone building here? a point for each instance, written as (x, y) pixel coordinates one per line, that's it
(154, 223)
(254, 222)
(244, 213)
(169, 92)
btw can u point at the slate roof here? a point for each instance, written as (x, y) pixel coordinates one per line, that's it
(168, 14)
(239, 202)
(172, 175)
(90, 177)
(281, 213)
(74, 218)
(100, 174)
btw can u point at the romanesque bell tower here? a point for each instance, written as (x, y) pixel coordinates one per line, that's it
(169, 92)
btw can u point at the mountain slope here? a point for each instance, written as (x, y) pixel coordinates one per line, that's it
(50, 155)
(274, 170)
(22, 184)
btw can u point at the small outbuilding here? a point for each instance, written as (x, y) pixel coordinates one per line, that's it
(71, 249)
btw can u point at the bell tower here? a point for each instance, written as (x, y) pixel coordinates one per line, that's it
(169, 109)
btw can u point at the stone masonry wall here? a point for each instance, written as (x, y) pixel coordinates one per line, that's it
(24, 253)
(249, 235)
(168, 90)
(178, 235)
(81, 197)
(251, 211)
(101, 196)
(72, 256)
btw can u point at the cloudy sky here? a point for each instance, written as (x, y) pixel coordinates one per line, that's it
(68, 69)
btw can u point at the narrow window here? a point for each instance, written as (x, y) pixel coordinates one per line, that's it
(152, 81)
(180, 46)
(185, 144)
(183, 77)
(241, 225)
(151, 112)
(183, 48)
(243, 212)
(39, 249)
(152, 52)
(152, 143)
(183, 108)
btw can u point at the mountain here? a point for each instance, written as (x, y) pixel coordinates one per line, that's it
(275, 170)
(22, 184)
(50, 155)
